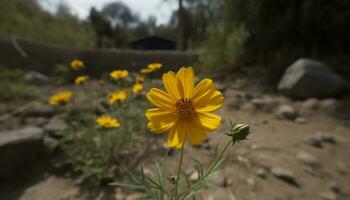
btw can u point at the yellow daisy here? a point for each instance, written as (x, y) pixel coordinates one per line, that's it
(151, 67)
(60, 98)
(137, 88)
(77, 64)
(139, 79)
(117, 97)
(119, 74)
(185, 110)
(107, 122)
(81, 80)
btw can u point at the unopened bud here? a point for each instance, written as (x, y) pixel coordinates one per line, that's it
(239, 131)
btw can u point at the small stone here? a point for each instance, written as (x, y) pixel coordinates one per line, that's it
(313, 141)
(56, 126)
(284, 175)
(309, 160)
(335, 187)
(300, 120)
(218, 179)
(194, 176)
(36, 78)
(326, 137)
(261, 173)
(328, 195)
(286, 112)
(329, 106)
(251, 181)
(309, 106)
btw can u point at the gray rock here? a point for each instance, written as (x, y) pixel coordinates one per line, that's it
(284, 175)
(309, 106)
(309, 78)
(313, 141)
(286, 112)
(300, 120)
(36, 121)
(261, 173)
(265, 103)
(194, 176)
(330, 106)
(38, 110)
(36, 78)
(56, 126)
(309, 160)
(326, 137)
(18, 149)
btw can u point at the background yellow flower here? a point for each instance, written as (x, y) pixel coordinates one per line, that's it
(185, 110)
(81, 80)
(119, 74)
(137, 88)
(77, 64)
(117, 97)
(60, 98)
(107, 122)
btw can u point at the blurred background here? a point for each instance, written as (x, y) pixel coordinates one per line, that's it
(283, 67)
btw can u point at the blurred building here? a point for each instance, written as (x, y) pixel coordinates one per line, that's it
(153, 43)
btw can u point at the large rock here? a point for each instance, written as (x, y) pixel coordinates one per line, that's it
(309, 78)
(19, 150)
(36, 78)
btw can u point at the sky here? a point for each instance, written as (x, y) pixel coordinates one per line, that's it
(144, 8)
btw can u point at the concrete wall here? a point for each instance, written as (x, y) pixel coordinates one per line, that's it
(31, 55)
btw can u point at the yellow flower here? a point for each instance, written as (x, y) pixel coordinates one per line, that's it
(107, 122)
(151, 67)
(119, 74)
(60, 98)
(77, 64)
(185, 110)
(137, 88)
(81, 80)
(139, 79)
(117, 97)
(154, 66)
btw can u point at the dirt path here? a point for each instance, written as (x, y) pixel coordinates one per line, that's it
(277, 163)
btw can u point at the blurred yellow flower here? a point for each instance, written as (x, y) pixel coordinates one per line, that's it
(60, 98)
(77, 64)
(81, 80)
(137, 88)
(117, 97)
(151, 67)
(107, 122)
(185, 110)
(139, 79)
(119, 74)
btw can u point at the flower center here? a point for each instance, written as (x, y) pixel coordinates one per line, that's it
(184, 107)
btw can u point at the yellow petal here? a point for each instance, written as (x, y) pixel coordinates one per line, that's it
(203, 90)
(171, 85)
(186, 79)
(160, 98)
(177, 137)
(196, 134)
(211, 103)
(208, 121)
(160, 120)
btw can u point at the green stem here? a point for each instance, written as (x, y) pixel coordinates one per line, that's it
(209, 171)
(178, 172)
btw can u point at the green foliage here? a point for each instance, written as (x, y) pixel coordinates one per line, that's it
(25, 18)
(279, 30)
(95, 153)
(14, 88)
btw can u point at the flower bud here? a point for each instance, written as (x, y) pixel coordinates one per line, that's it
(239, 131)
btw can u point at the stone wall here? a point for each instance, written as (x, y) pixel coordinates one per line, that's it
(32, 55)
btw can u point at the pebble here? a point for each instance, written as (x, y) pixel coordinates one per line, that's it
(284, 175)
(286, 112)
(309, 160)
(261, 173)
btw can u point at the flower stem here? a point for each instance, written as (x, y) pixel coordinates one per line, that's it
(212, 166)
(178, 172)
